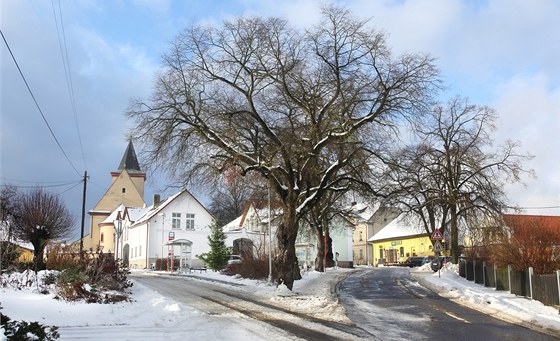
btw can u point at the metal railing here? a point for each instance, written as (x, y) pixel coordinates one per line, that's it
(542, 288)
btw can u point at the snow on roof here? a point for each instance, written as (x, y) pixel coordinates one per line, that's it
(233, 225)
(114, 215)
(405, 225)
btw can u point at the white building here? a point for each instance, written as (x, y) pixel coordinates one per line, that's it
(253, 225)
(177, 227)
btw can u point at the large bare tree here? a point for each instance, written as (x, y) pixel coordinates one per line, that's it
(297, 107)
(41, 217)
(454, 172)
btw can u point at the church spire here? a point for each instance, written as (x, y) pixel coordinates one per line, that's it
(129, 160)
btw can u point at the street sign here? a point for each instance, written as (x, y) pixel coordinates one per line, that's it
(437, 246)
(437, 235)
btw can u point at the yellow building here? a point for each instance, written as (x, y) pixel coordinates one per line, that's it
(402, 238)
(127, 188)
(368, 219)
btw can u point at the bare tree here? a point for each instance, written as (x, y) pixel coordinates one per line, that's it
(453, 173)
(298, 108)
(229, 198)
(41, 217)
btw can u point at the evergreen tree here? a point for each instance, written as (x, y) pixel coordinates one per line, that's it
(219, 254)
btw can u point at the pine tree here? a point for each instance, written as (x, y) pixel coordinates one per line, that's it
(219, 254)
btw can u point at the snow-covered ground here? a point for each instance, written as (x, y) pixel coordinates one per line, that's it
(152, 316)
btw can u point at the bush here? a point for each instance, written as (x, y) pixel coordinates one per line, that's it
(61, 257)
(10, 255)
(250, 267)
(21, 330)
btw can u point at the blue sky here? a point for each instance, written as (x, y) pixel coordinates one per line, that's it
(501, 53)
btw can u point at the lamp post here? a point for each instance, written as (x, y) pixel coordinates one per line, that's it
(162, 215)
(269, 240)
(118, 230)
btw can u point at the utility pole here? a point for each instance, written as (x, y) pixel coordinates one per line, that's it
(83, 216)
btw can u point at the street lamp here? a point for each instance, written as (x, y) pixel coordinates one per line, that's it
(162, 215)
(269, 240)
(118, 230)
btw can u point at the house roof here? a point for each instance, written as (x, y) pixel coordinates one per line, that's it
(532, 221)
(262, 216)
(405, 225)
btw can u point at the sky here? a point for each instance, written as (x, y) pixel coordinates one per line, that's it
(155, 317)
(500, 53)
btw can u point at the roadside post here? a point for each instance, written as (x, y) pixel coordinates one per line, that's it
(438, 247)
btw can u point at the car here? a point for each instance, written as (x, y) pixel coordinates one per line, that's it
(427, 260)
(413, 261)
(235, 259)
(438, 262)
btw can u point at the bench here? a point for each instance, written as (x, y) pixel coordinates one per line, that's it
(198, 269)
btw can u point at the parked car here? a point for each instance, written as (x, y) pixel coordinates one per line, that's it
(235, 259)
(427, 260)
(413, 261)
(437, 263)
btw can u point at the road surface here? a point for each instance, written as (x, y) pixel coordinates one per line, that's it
(390, 304)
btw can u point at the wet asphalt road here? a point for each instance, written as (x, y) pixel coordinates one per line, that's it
(390, 305)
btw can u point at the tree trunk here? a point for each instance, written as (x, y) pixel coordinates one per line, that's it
(38, 260)
(285, 262)
(320, 248)
(454, 235)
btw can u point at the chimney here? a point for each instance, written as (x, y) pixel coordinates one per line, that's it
(157, 199)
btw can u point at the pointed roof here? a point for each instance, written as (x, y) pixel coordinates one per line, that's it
(129, 160)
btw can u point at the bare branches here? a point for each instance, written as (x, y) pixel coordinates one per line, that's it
(294, 107)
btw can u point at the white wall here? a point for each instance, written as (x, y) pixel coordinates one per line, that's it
(159, 226)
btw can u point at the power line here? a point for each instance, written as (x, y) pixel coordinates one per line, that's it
(37, 104)
(68, 73)
(37, 185)
(535, 208)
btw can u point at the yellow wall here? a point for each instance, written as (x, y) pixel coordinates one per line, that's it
(26, 255)
(420, 246)
(360, 246)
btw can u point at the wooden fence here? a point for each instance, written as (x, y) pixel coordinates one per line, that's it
(543, 288)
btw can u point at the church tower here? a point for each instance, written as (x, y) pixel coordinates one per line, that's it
(127, 188)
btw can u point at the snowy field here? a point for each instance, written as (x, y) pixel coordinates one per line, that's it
(154, 317)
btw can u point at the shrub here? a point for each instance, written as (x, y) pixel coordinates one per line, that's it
(250, 267)
(61, 257)
(21, 330)
(10, 255)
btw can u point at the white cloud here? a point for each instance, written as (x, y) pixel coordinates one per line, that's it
(529, 111)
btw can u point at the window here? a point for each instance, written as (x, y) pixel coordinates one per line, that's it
(123, 190)
(176, 221)
(402, 251)
(140, 251)
(361, 236)
(190, 221)
(102, 237)
(361, 254)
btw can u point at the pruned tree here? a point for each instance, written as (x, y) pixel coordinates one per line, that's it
(297, 108)
(454, 173)
(41, 217)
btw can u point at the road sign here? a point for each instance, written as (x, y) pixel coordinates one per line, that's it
(437, 246)
(437, 235)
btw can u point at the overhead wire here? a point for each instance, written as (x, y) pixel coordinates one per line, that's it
(68, 73)
(37, 104)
